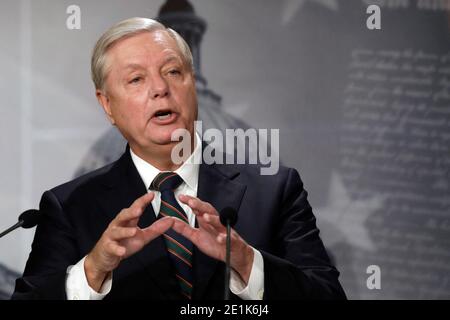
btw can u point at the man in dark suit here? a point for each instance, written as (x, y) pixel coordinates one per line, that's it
(147, 227)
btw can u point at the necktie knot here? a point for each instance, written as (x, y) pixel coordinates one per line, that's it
(166, 181)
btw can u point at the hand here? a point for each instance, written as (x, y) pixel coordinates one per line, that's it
(211, 236)
(122, 239)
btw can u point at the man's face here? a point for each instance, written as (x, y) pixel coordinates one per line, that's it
(150, 90)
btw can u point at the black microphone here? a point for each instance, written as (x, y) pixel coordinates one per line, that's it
(228, 218)
(27, 219)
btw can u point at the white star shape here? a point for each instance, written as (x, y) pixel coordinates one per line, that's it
(343, 219)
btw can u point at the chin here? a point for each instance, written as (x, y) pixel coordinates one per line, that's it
(164, 138)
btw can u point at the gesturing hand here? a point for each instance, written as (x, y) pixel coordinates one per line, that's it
(122, 239)
(210, 237)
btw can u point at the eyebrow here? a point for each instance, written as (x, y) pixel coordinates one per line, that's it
(134, 66)
(137, 66)
(172, 58)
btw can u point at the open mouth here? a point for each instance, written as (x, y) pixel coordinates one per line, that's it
(163, 114)
(164, 117)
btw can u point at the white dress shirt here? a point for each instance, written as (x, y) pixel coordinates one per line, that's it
(77, 287)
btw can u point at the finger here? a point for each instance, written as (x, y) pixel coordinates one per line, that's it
(119, 233)
(185, 230)
(214, 221)
(142, 202)
(206, 226)
(157, 228)
(198, 205)
(136, 209)
(127, 215)
(235, 238)
(221, 238)
(185, 198)
(115, 249)
(131, 223)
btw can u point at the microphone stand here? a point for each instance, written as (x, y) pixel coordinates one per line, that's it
(227, 262)
(228, 218)
(17, 225)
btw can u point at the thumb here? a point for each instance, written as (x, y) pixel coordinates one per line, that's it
(157, 228)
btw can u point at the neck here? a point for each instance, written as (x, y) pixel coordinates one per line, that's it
(161, 156)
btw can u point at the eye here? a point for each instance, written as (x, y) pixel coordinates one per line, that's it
(174, 72)
(135, 80)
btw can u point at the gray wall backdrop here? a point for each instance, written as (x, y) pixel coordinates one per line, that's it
(363, 115)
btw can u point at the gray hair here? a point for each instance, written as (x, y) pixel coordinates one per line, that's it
(125, 29)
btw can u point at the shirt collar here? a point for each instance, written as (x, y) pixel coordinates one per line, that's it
(188, 171)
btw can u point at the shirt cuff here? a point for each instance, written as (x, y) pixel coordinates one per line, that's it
(255, 287)
(77, 286)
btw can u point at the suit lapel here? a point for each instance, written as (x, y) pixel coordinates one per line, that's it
(124, 187)
(217, 187)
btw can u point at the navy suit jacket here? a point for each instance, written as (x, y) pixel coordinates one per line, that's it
(274, 217)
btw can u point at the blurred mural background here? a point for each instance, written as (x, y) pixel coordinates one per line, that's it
(364, 115)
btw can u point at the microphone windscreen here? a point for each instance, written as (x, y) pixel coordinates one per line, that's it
(30, 218)
(229, 214)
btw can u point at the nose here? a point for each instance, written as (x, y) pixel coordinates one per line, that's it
(158, 87)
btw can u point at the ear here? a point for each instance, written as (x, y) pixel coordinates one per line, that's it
(104, 101)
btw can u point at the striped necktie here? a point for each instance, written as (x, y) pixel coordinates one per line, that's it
(179, 248)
